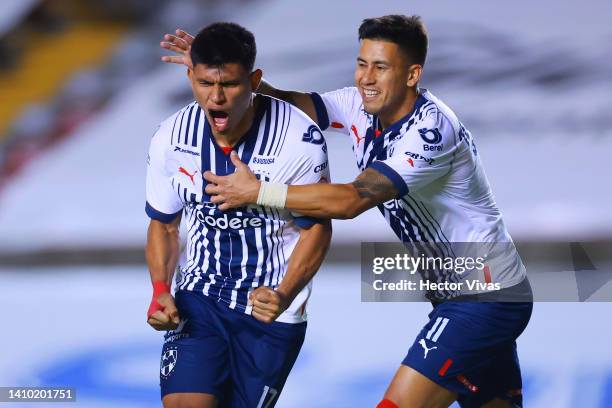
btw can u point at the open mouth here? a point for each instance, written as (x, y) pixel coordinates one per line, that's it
(220, 119)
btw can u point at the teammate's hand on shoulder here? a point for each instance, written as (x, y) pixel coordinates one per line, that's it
(238, 189)
(163, 314)
(180, 42)
(268, 304)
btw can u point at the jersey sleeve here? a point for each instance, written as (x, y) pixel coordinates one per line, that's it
(312, 167)
(163, 203)
(425, 153)
(336, 108)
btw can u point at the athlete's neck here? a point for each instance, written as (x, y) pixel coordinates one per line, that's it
(393, 114)
(230, 138)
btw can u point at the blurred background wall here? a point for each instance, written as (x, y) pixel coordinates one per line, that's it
(82, 90)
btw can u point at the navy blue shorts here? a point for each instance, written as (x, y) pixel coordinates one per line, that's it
(231, 355)
(470, 349)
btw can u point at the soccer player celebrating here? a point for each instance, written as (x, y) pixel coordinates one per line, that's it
(237, 320)
(421, 168)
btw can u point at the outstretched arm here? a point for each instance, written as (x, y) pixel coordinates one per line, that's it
(301, 100)
(341, 201)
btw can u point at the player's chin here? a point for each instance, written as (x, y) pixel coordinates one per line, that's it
(372, 108)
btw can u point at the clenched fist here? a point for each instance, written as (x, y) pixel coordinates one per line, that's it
(163, 314)
(268, 304)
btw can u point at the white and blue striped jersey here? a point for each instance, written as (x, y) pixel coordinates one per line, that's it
(444, 195)
(229, 254)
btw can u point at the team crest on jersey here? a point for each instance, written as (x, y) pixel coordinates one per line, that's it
(431, 136)
(313, 135)
(168, 361)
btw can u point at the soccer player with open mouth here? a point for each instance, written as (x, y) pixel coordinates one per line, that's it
(237, 320)
(420, 166)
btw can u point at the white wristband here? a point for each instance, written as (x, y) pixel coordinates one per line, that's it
(272, 195)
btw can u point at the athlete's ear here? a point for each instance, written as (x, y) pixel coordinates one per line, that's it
(414, 75)
(190, 74)
(256, 79)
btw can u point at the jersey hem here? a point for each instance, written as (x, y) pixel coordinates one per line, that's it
(287, 317)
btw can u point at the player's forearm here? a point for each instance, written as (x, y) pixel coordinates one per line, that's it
(162, 250)
(306, 259)
(339, 201)
(300, 99)
(369, 189)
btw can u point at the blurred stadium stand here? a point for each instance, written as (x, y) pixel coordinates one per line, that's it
(82, 90)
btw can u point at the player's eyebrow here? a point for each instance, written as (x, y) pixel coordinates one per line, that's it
(375, 62)
(222, 83)
(230, 82)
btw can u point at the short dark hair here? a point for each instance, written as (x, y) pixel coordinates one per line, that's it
(408, 32)
(223, 43)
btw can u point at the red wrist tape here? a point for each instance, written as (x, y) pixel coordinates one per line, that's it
(385, 403)
(159, 287)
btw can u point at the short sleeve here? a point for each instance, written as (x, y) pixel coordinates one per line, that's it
(313, 167)
(163, 203)
(336, 108)
(422, 155)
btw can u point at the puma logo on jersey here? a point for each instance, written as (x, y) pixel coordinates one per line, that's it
(425, 349)
(354, 129)
(185, 172)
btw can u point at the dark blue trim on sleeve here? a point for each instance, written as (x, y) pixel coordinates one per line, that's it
(306, 222)
(160, 216)
(322, 117)
(392, 175)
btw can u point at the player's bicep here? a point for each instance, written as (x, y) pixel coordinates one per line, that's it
(374, 188)
(158, 229)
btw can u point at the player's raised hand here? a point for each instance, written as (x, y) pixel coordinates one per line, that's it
(268, 304)
(235, 190)
(163, 314)
(180, 43)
